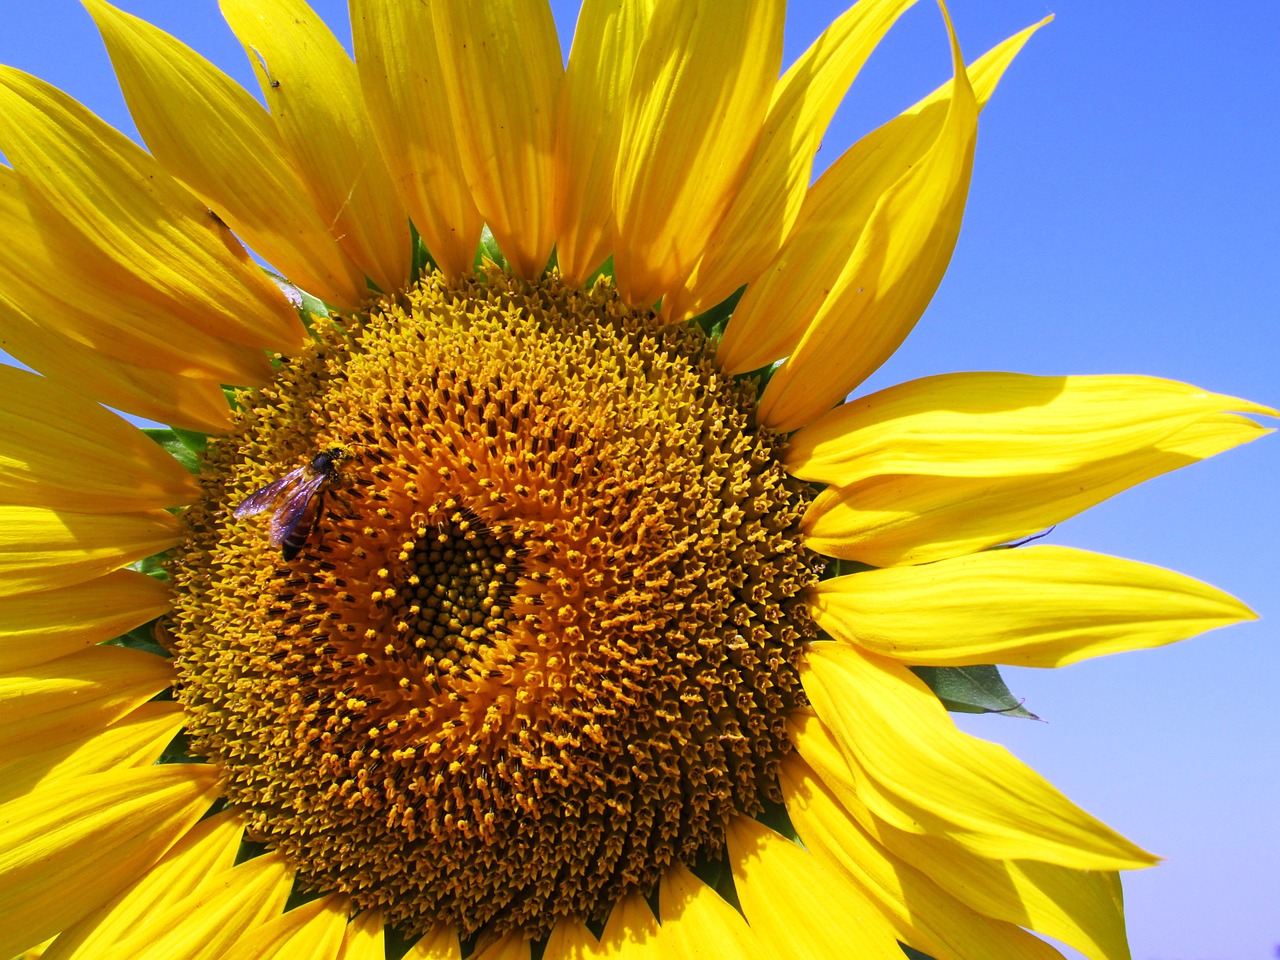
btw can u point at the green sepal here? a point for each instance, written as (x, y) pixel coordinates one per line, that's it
(714, 321)
(249, 850)
(725, 887)
(604, 270)
(711, 872)
(423, 262)
(152, 566)
(193, 440)
(178, 750)
(762, 376)
(300, 895)
(976, 689)
(308, 306)
(398, 942)
(775, 817)
(312, 309)
(840, 567)
(141, 638)
(489, 251)
(913, 953)
(185, 446)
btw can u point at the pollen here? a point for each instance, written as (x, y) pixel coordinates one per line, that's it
(541, 637)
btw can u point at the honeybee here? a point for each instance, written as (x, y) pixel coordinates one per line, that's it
(298, 499)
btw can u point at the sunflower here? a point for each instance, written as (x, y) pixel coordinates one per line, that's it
(513, 578)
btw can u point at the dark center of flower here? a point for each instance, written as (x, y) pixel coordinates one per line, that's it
(538, 635)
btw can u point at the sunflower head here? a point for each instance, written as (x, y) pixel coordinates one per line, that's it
(540, 640)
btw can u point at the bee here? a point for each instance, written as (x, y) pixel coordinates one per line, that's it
(298, 500)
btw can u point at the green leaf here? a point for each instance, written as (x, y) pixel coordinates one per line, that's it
(913, 953)
(977, 689)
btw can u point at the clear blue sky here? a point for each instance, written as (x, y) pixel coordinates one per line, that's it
(1124, 218)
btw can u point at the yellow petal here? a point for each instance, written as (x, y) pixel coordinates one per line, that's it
(222, 910)
(506, 127)
(207, 848)
(601, 62)
(923, 914)
(512, 946)
(905, 518)
(1042, 606)
(1083, 909)
(214, 137)
(312, 931)
(154, 394)
(797, 905)
(438, 944)
(139, 231)
(59, 449)
(701, 85)
(92, 835)
(916, 771)
(397, 58)
(104, 305)
(697, 922)
(365, 937)
(313, 91)
(37, 627)
(137, 740)
(895, 267)
(65, 700)
(44, 549)
(997, 424)
(780, 304)
(631, 933)
(765, 207)
(570, 940)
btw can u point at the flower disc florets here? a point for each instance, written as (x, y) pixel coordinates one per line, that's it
(542, 640)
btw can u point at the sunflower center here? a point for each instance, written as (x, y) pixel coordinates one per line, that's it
(459, 586)
(524, 636)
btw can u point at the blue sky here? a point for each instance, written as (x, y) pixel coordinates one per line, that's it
(1124, 218)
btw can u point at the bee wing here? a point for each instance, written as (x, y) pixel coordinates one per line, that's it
(291, 512)
(306, 525)
(260, 500)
